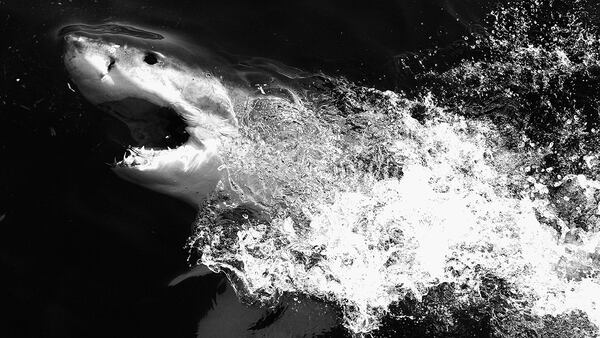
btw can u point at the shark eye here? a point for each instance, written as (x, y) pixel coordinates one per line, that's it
(150, 58)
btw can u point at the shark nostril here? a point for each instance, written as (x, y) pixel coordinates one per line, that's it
(74, 42)
(111, 64)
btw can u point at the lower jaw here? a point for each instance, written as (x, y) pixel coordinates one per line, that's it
(190, 172)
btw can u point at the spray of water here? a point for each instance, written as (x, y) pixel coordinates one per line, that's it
(366, 198)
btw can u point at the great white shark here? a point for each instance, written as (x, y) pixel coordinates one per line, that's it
(124, 74)
(140, 79)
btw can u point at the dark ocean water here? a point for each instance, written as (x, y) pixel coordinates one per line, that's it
(86, 254)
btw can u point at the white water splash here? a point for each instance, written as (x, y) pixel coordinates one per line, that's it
(460, 210)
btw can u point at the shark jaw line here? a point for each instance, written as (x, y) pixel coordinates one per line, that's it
(189, 172)
(187, 158)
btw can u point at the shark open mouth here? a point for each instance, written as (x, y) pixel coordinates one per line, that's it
(160, 142)
(163, 151)
(154, 133)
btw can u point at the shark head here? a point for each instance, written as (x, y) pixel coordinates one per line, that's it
(177, 114)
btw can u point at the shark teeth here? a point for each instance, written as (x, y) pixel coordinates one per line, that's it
(186, 157)
(135, 156)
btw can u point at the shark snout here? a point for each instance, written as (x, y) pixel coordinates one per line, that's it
(73, 42)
